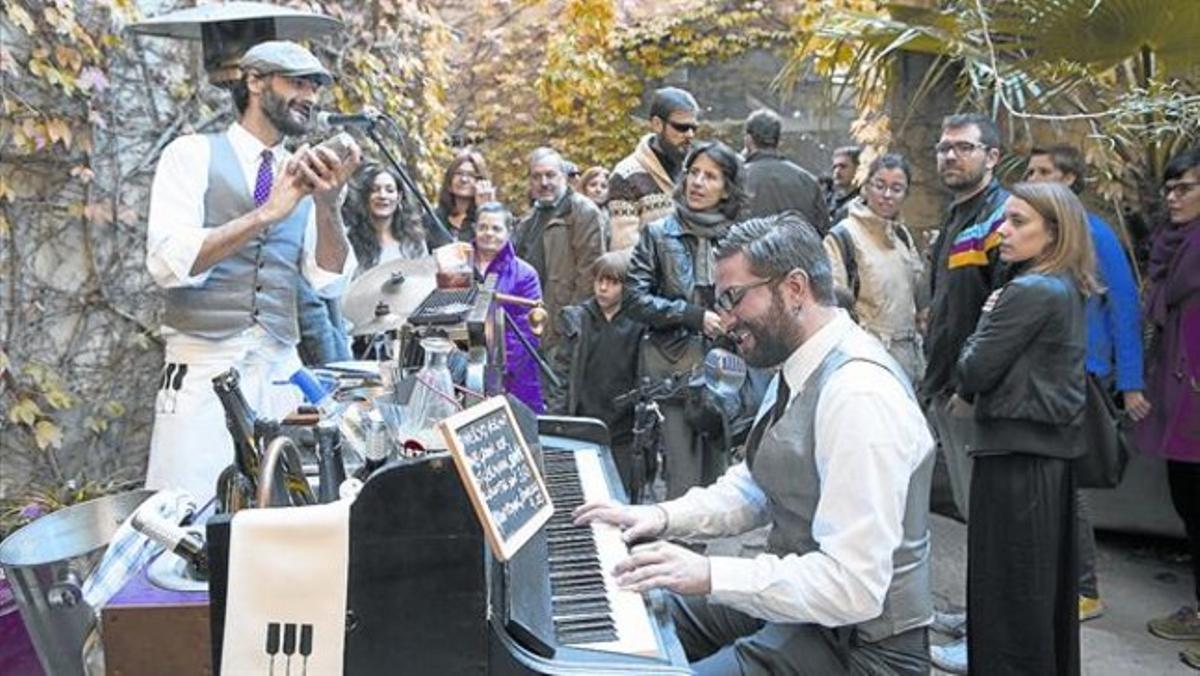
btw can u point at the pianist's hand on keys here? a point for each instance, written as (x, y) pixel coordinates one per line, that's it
(655, 564)
(638, 523)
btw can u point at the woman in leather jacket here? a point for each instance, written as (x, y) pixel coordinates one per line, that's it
(1023, 368)
(671, 290)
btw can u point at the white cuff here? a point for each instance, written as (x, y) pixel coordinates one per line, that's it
(170, 265)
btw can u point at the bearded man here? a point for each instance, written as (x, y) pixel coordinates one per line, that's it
(838, 462)
(235, 222)
(641, 185)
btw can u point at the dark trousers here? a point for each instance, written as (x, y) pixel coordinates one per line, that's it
(1089, 585)
(1022, 577)
(1184, 479)
(721, 641)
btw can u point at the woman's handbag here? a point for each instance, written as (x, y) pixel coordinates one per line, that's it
(1105, 439)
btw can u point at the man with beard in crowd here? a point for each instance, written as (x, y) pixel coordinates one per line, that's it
(775, 183)
(842, 171)
(844, 584)
(640, 186)
(561, 238)
(965, 269)
(235, 223)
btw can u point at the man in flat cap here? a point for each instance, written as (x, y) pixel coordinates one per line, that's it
(236, 222)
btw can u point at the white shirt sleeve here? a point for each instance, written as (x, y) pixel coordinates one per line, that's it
(175, 226)
(732, 505)
(864, 470)
(326, 283)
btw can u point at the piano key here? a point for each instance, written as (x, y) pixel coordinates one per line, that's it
(573, 479)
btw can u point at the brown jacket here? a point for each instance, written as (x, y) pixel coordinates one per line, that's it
(572, 240)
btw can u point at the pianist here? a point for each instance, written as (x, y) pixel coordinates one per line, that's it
(838, 462)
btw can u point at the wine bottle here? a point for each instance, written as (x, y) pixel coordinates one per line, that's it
(187, 545)
(241, 421)
(331, 468)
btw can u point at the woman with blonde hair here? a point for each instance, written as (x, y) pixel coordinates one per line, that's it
(1022, 377)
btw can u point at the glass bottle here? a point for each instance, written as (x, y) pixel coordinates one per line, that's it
(433, 396)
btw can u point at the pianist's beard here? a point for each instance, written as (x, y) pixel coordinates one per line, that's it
(768, 339)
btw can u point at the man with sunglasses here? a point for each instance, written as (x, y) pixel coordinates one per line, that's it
(964, 271)
(640, 186)
(236, 223)
(838, 463)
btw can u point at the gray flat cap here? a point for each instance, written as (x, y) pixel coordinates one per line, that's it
(286, 58)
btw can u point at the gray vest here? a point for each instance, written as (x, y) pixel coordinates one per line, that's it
(255, 285)
(784, 466)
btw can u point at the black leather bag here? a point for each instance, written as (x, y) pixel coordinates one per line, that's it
(1106, 441)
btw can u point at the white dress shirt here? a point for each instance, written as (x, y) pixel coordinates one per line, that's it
(870, 437)
(175, 229)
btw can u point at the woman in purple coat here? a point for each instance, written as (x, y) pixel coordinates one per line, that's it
(494, 254)
(1172, 430)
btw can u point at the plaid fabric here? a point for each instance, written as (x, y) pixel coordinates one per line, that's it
(130, 551)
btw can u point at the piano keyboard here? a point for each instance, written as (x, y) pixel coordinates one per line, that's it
(589, 610)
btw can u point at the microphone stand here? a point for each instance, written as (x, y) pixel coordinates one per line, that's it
(409, 184)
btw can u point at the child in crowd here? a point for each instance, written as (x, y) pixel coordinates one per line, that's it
(598, 358)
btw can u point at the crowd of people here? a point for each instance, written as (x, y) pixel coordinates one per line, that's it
(886, 365)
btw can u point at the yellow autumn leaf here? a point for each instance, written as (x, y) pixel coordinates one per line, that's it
(114, 409)
(20, 17)
(46, 434)
(25, 412)
(58, 398)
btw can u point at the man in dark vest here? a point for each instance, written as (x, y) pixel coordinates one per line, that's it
(775, 183)
(235, 222)
(838, 463)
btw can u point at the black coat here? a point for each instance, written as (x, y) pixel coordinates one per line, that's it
(776, 185)
(589, 337)
(661, 282)
(1024, 368)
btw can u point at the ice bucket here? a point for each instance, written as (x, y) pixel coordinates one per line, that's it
(46, 563)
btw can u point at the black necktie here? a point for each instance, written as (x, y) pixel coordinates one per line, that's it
(782, 396)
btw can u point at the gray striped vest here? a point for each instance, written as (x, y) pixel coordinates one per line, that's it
(255, 285)
(786, 470)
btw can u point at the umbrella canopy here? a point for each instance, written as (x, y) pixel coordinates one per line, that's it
(227, 30)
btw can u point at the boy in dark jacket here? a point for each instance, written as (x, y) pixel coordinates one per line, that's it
(598, 358)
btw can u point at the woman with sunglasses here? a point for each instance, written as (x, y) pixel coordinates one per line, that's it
(671, 289)
(877, 266)
(1172, 429)
(465, 185)
(1023, 369)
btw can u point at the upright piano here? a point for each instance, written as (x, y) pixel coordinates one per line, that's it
(427, 597)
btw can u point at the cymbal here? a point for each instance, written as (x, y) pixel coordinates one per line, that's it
(401, 284)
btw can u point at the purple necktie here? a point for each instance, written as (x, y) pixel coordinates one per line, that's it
(262, 184)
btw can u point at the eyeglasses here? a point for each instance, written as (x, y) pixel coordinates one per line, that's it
(896, 190)
(1181, 188)
(732, 297)
(683, 127)
(466, 175)
(959, 148)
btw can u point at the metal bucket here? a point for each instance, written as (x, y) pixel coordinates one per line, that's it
(46, 563)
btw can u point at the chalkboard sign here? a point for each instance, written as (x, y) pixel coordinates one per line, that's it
(499, 473)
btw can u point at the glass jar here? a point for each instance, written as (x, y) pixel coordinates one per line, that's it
(433, 398)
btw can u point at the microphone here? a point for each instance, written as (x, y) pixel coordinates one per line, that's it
(724, 371)
(365, 119)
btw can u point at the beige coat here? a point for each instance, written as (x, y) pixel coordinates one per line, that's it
(891, 283)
